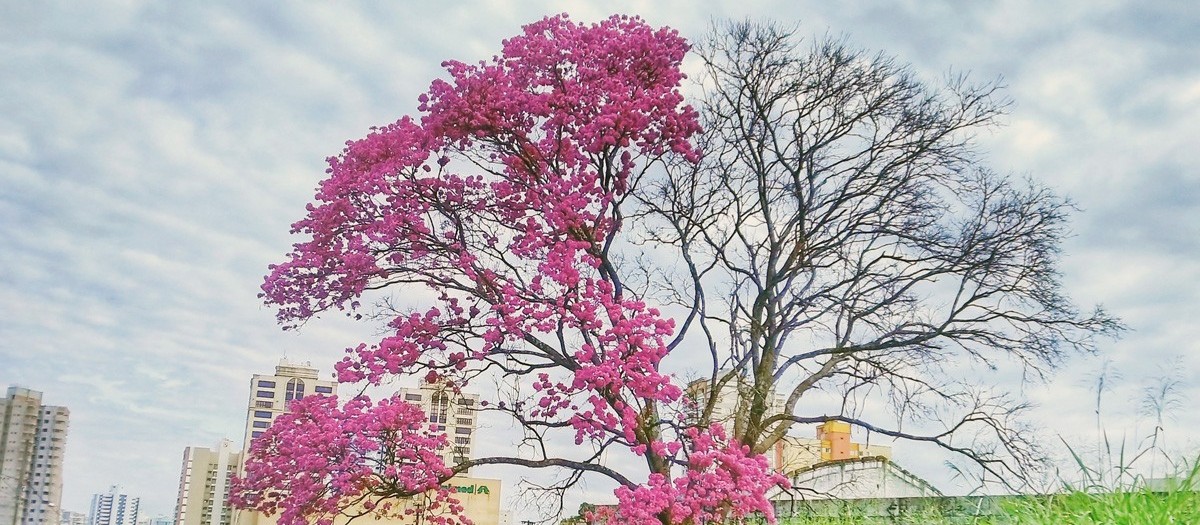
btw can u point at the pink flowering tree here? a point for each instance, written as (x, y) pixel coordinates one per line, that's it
(829, 236)
(507, 200)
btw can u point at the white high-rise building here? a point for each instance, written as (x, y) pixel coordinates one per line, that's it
(451, 411)
(114, 508)
(270, 395)
(204, 485)
(32, 441)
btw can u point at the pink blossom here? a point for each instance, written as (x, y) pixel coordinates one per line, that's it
(501, 198)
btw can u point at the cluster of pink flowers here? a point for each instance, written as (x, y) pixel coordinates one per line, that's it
(318, 457)
(503, 199)
(723, 483)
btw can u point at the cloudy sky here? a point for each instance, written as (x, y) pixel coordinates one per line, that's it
(152, 156)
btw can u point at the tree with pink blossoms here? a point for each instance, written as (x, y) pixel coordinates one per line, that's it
(575, 230)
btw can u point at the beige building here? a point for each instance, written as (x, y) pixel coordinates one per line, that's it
(448, 410)
(204, 485)
(32, 441)
(270, 394)
(269, 398)
(833, 443)
(726, 408)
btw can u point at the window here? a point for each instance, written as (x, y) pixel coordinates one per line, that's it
(439, 407)
(295, 390)
(324, 389)
(412, 397)
(466, 402)
(255, 434)
(265, 393)
(461, 430)
(262, 424)
(263, 404)
(262, 413)
(266, 384)
(464, 421)
(462, 440)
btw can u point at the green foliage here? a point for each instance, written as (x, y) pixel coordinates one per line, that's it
(1136, 503)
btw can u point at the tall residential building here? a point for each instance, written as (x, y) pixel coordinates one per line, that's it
(114, 508)
(270, 395)
(204, 485)
(32, 441)
(451, 411)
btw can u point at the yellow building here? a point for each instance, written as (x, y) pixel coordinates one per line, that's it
(204, 485)
(833, 443)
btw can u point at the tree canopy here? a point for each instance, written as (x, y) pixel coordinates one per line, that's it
(818, 223)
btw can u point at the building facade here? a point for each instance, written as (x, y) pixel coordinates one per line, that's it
(269, 397)
(114, 508)
(727, 403)
(451, 411)
(204, 485)
(32, 442)
(833, 443)
(861, 478)
(271, 394)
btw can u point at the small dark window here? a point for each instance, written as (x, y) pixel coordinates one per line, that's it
(255, 434)
(461, 430)
(324, 389)
(265, 393)
(266, 384)
(262, 413)
(412, 397)
(262, 424)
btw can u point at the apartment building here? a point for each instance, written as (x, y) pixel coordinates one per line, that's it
(451, 411)
(204, 481)
(114, 508)
(32, 442)
(270, 394)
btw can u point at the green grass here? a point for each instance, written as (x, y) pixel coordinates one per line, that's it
(1131, 503)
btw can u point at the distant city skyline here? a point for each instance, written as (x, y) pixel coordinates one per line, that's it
(154, 155)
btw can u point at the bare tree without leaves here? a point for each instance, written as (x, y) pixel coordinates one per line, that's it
(843, 235)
